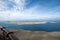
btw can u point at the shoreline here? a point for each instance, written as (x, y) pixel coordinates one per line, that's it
(31, 30)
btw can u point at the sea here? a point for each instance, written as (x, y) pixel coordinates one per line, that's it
(49, 27)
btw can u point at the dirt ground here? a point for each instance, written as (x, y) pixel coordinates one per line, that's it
(36, 35)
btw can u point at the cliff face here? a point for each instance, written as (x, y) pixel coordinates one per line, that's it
(35, 35)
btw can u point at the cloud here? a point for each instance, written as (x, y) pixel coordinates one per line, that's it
(9, 9)
(15, 10)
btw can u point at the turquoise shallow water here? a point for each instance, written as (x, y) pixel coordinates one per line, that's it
(34, 27)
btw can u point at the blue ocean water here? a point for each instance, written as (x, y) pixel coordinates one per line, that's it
(49, 27)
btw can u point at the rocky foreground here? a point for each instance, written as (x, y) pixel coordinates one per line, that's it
(36, 35)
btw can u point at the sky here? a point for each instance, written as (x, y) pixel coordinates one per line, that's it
(14, 10)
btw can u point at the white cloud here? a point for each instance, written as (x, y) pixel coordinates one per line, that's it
(18, 13)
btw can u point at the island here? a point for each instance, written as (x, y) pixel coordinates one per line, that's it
(28, 22)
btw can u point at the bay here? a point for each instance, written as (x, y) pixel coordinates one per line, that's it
(49, 27)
